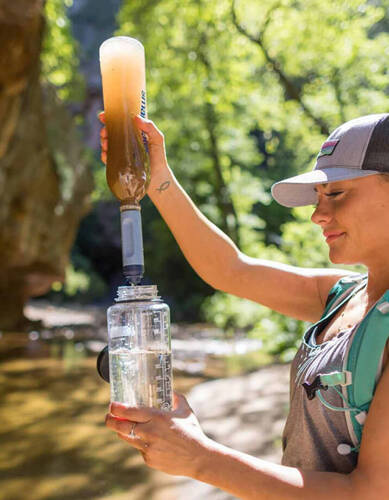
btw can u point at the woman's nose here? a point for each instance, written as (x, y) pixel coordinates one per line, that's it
(322, 214)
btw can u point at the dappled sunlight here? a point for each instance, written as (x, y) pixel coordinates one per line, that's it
(53, 403)
(54, 441)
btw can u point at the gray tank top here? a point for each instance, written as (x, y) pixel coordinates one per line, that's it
(313, 432)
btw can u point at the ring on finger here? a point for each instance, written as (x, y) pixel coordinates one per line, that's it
(132, 433)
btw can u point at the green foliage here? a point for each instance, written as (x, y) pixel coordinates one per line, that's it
(82, 283)
(76, 281)
(303, 241)
(194, 90)
(59, 52)
(197, 59)
(257, 108)
(327, 49)
(330, 54)
(280, 334)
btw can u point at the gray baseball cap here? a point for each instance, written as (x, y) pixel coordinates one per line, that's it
(357, 148)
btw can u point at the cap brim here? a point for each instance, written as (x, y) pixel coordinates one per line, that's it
(299, 190)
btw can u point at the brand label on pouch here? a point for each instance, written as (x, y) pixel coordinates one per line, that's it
(143, 115)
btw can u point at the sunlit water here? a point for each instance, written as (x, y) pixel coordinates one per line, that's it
(54, 444)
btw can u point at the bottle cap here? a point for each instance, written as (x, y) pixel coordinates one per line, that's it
(137, 292)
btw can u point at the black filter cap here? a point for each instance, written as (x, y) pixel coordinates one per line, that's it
(103, 364)
(133, 273)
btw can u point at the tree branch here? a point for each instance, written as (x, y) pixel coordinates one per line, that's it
(290, 88)
(224, 200)
(338, 94)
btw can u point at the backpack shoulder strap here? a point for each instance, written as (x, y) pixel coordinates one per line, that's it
(362, 364)
(339, 294)
(342, 290)
(364, 360)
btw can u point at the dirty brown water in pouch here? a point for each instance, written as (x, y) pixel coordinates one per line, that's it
(124, 89)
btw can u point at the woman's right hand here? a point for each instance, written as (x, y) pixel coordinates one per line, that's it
(155, 139)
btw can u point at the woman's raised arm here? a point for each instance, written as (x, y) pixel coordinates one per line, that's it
(296, 292)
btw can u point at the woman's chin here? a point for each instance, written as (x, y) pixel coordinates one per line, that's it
(338, 258)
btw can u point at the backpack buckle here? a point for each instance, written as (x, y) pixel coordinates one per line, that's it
(383, 307)
(316, 385)
(337, 378)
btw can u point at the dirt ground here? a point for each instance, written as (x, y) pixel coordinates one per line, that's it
(246, 413)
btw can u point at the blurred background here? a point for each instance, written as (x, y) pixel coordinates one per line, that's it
(245, 92)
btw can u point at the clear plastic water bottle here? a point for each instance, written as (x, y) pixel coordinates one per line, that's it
(140, 365)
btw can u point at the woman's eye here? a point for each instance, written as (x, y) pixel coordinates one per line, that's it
(335, 193)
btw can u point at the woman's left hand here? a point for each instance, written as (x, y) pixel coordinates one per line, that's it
(171, 441)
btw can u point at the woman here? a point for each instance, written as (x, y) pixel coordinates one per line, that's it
(350, 188)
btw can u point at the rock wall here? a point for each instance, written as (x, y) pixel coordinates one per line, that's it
(44, 178)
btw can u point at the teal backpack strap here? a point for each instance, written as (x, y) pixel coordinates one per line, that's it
(364, 362)
(340, 293)
(362, 365)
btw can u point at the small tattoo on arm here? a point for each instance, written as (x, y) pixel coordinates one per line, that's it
(163, 186)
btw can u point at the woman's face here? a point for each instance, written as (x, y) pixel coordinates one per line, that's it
(354, 217)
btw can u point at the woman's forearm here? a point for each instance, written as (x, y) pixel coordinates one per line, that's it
(208, 250)
(250, 478)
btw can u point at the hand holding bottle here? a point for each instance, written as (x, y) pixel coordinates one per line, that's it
(170, 441)
(156, 145)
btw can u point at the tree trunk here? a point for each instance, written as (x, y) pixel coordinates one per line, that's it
(229, 218)
(44, 183)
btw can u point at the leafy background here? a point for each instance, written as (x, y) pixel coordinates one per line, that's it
(245, 93)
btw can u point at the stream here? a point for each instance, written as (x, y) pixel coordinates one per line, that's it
(54, 444)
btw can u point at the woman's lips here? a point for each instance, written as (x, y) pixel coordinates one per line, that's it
(332, 236)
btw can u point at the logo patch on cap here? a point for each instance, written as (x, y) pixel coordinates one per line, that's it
(328, 148)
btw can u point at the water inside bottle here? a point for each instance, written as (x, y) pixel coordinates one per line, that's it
(141, 378)
(140, 349)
